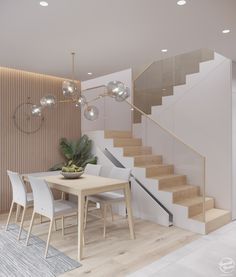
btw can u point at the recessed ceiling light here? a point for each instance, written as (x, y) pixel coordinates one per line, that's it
(181, 2)
(226, 31)
(90, 73)
(164, 50)
(43, 3)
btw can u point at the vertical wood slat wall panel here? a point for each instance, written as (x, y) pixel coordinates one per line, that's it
(38, 151)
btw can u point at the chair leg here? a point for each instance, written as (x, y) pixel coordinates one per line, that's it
(112, 217)
(55, 225)
(18, 209)
(104, 220)
(86, 212)
(30, 228)
(22, 222)
(41, 219)
(9, 216)
(49, 236)
(62, 226)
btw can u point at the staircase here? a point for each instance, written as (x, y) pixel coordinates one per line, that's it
(183, 199)
(172, 82)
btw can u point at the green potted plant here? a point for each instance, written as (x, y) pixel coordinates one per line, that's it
(75, 152)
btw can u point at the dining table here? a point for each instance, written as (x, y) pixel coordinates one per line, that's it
(84, 186)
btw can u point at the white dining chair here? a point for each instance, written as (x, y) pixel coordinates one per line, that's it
(43, 174)
(45, 205)
(93, 169)
(19, 197)
(107, 199)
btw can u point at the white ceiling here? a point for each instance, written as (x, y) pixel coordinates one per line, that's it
(110, 35)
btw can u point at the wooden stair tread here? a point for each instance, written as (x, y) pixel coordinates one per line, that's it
(123, 142)
(211, 215)
(131, 151)
(146, 155)
(178, 188)
(117, 134)
(162, 177)
(192, 201)
(136, 147)
(153, 165)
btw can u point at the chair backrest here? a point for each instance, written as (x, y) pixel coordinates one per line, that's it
(93, 169)
(43, 198)
(18, 188)
(120, 173)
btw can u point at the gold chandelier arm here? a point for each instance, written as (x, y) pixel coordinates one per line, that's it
(102, 95)
(101, 86)
(66, 101)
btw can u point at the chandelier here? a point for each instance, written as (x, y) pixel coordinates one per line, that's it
(73, 94)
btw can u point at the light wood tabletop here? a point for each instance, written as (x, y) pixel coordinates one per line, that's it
(85, 186)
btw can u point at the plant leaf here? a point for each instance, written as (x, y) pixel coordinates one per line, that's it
(66, 148)
(76, 152)
(57, 167)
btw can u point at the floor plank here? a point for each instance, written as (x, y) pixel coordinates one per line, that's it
(116, 255)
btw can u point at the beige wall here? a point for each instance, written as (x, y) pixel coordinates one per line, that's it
(31, 152)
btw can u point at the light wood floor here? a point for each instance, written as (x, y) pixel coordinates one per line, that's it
(117, 255)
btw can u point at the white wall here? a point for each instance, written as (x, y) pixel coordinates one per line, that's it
(202, 119)
(113, 115)
(234, 139)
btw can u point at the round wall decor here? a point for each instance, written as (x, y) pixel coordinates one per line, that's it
(23, 119)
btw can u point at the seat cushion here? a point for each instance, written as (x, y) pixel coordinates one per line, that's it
(107, 197)
(64, 207)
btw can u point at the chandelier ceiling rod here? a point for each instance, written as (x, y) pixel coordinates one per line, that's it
(73, 66)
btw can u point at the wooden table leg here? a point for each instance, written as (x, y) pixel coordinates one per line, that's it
(129, 210)
(81, 202)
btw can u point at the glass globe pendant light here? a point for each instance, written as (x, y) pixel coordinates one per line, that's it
(36, 111)
(114, 88)
(81, 101)
(69, 88)
(48, 101)
(91, 113)
(122, 95)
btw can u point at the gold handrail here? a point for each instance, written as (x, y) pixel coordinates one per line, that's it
(188, 146)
